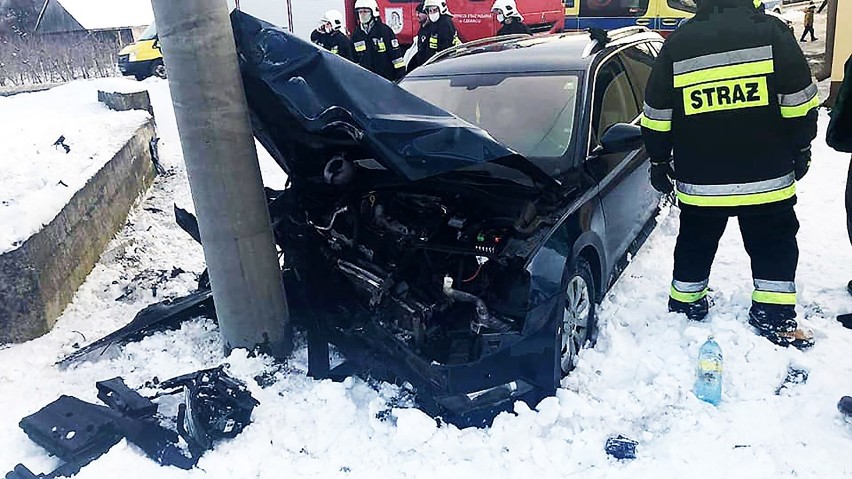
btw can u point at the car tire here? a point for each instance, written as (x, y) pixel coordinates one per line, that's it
(158, 69)
(579, 319)
(140, 77)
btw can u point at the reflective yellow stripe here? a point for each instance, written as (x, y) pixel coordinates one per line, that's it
(799, 111)
(687, 297)
(767, 297)
(399, 63)
(656, 125)
(724, 73)
(738, 200)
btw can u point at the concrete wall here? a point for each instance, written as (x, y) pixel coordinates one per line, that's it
(39, 279)
(842, 39)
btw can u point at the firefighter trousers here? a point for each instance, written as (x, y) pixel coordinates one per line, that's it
(770, 241)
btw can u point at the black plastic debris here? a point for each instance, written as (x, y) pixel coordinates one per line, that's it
(73, 430)
(156, 317)
(621, 447)
(845, 320)
(845, 406)
(188, 222)
(794, 376)
(216, 406)
(115, 394)
(61, 142)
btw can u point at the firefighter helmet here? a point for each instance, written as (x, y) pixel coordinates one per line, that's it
(441, 4)
(508, 8)
(335, 18)
(368, 5)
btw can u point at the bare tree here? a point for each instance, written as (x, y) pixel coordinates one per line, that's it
(33, 60)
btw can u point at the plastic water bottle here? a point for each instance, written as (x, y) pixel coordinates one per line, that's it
(708, 380)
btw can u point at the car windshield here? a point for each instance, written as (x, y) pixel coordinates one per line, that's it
(149, 33)
(533, 114)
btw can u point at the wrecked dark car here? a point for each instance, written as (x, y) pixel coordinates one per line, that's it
(455, 231)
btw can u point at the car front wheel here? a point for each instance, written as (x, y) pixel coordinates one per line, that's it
(159, 70)
(578, 315)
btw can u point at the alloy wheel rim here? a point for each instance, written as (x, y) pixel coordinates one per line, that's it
(575, 321)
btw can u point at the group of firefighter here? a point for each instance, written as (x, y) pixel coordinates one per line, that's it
(374, 45)
(729, 115)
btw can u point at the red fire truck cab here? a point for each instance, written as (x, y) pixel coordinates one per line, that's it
(472, 18)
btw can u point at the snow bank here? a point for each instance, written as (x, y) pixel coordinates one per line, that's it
(636, 381)
(37, 178)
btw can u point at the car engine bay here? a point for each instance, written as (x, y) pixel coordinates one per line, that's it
(436, 266)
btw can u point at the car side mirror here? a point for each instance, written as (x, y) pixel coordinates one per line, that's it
(621, 138)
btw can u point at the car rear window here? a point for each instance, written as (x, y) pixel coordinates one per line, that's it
(534, 114)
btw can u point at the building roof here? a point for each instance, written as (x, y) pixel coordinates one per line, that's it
(76, 15)
(109, 14)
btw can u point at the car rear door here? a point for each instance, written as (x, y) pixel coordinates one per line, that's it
(626, 193)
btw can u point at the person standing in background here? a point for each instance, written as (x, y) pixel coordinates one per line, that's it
(436, 35)
(809, 23)
(376, 45)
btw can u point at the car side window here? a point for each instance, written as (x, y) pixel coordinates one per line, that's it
(614, 99)
(638, 61)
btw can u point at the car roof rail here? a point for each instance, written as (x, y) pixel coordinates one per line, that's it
(602, 38)
(458, 49)
(622, 32)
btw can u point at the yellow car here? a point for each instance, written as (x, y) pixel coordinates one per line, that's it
(143, 58)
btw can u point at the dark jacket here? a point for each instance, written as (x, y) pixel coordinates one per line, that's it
(839, 134)
(318, 37)
(731, 95)
(514, 28)
(433, 38)
(338, 43)
(378, 51)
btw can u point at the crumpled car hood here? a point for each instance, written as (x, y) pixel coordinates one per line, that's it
(305, 102)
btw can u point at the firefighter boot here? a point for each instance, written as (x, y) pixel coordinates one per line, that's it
(777, 323)
(695, 311)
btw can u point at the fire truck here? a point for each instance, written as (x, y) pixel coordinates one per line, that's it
(473, 18)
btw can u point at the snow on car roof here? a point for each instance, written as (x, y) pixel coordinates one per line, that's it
(107, 14)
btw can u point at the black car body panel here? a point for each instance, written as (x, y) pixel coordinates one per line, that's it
(420, 246)
(295, 87)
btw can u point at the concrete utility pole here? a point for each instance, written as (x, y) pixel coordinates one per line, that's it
(224, 176)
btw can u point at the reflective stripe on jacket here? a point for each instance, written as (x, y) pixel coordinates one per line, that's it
(732, 99)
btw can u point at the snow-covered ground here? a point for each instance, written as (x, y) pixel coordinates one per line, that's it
(37, 179)
(636, 381)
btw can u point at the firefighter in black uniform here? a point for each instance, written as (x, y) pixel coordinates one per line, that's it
(731, 94)
(376, 46)
(334, 39)
(436, 35)
(511, 21)
(319, 35)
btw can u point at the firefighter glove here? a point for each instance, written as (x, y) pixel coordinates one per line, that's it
(802, 162)
(661, 176)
